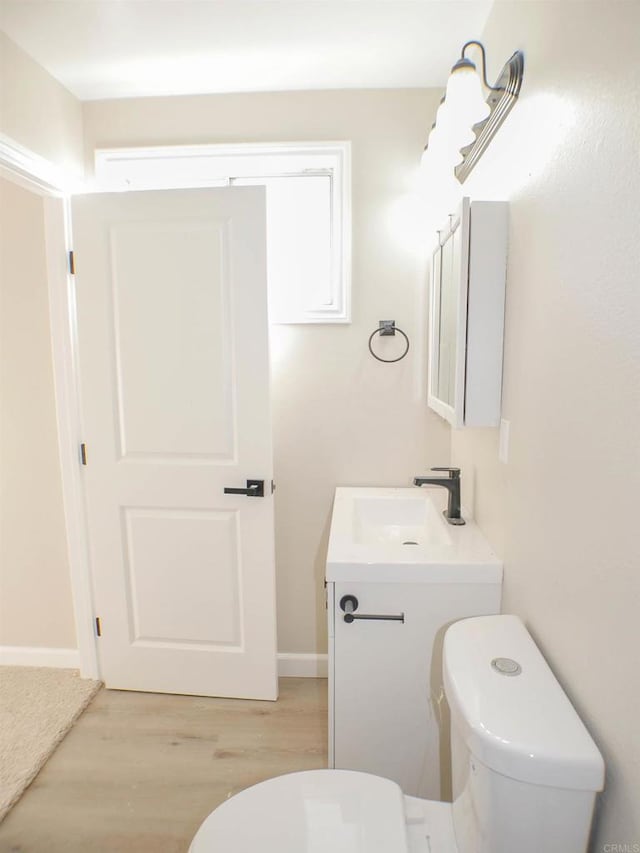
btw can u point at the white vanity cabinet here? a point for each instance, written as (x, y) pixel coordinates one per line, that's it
(386, 677)
(385, 674)
(466, 327)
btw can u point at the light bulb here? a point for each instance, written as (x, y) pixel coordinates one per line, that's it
(464, 93)
(445, 143)
(453, 128)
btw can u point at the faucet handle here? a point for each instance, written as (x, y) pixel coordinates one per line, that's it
(454, 473)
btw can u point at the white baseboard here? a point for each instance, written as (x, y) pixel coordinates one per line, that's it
(39, 656)
(292, 665)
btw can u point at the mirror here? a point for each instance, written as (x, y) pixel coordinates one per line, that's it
(447, 320)
(467, 315)
(445, 295)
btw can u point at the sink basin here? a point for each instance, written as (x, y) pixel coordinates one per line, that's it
(400, 535)
(409, 520)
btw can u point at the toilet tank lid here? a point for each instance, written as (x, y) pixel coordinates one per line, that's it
(519, 723)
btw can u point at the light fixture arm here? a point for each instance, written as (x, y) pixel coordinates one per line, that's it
(484, 61)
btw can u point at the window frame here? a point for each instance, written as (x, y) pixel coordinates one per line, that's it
(181, 167)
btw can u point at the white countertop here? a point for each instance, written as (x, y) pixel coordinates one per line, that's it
(371, 526)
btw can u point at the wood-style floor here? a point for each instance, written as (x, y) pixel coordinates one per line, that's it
(139, 772)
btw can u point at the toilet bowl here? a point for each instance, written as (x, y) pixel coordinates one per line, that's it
(342, 811)
(525, 772)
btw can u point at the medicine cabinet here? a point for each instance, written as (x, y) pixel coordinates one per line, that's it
(466, 325)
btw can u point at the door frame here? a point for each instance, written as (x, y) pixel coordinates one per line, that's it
(38, 175)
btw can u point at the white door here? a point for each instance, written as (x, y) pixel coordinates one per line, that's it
(172, 329)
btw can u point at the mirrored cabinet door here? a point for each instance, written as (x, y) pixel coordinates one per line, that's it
(467, 315)
(448, 316)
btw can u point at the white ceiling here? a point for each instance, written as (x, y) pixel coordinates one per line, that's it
(126, 48)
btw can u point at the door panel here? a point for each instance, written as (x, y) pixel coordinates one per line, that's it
(173, 350)
(196, 553)
(181, 269)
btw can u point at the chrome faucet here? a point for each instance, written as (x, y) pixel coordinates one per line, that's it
(452, 485)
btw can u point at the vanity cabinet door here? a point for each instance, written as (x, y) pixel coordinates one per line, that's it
(386, 678)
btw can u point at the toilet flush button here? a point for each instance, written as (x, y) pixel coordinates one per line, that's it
(506, 666)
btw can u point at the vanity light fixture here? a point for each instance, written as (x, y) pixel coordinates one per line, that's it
(467, 119)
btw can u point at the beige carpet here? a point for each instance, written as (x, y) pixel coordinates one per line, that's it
(37, 708)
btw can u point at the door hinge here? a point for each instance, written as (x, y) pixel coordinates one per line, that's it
(83, 453)
(72, 263)
(98, 627)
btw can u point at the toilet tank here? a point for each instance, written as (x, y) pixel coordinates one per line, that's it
(525, 770)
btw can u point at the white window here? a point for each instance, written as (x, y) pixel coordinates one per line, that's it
(308, 211)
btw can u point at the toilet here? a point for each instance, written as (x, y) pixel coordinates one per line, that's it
(525, 772)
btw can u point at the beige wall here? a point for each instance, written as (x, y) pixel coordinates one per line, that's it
(340, 418)
(35, 590)
(36, 111)
(563, 510)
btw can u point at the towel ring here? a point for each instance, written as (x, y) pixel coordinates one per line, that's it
(385, 329)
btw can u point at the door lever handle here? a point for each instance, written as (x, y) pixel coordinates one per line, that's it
(255, 489)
